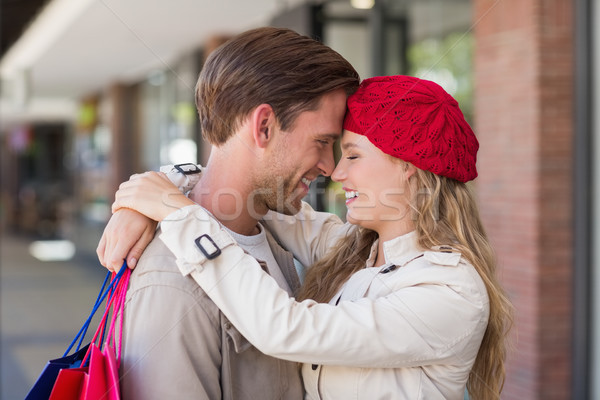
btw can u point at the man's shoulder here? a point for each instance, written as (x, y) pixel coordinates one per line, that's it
(158, 267)
(157, 281)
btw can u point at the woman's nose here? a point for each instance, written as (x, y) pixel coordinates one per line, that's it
(339, 173)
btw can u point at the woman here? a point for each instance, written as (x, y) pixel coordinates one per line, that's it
(415, 309)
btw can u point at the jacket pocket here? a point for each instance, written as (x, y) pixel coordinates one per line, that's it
(248, 373)
(240, 343)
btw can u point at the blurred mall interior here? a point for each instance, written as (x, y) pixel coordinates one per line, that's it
(92, 91)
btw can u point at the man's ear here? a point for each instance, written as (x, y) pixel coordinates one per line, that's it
(263, 124)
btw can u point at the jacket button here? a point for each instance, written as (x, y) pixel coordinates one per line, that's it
(388, 269)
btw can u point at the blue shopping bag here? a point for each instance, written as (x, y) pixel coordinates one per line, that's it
(43, 386)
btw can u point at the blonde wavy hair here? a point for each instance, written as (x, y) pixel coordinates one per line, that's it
(445, 213)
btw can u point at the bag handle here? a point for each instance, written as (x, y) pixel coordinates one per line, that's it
(81, 334)
(104, 291)
(118, 311)
(115, 302)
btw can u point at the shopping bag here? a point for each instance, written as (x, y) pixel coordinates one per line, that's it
(43, 386)
(99, 379)
(87, 383)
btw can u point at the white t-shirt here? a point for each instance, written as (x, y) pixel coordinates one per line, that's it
(258, 247)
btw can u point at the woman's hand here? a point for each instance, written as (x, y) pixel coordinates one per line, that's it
(125, 237)
(151, 194)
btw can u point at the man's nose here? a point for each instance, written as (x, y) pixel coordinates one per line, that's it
(326, 163)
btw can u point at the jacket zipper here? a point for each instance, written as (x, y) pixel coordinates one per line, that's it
(319, 383)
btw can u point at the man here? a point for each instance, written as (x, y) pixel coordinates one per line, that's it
(272, 103)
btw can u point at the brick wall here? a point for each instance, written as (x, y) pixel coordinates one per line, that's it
(523, 118)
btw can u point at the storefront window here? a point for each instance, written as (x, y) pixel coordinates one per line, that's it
(432, 40)
(169, 119)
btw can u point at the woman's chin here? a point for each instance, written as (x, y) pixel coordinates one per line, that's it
(353, 219)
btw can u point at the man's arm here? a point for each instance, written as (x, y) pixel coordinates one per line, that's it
(129, 231)
(125, 237)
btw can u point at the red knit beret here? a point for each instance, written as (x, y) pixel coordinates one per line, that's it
(417, 121)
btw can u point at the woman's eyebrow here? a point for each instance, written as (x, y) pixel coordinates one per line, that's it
(348, 145)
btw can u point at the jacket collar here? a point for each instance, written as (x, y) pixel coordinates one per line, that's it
(396, 251)
(404, 248)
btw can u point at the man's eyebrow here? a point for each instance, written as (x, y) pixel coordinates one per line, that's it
(332, 136)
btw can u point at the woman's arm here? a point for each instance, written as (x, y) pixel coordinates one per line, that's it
(309, 234)
(415, 325)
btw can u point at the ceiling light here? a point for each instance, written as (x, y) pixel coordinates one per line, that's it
(362, 4)
(52, 250)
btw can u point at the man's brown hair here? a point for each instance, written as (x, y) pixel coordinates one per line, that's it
(274, 66)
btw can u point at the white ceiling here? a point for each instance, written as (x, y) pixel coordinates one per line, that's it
(107, 41)
(75, 48)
